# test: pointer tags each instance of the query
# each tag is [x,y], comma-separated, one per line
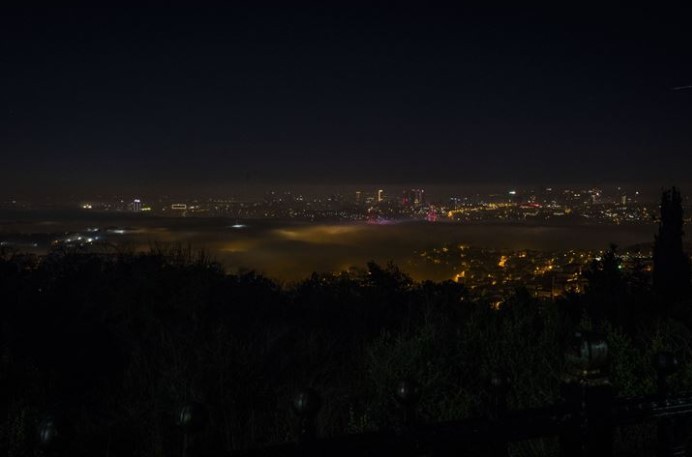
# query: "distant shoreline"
[293,249]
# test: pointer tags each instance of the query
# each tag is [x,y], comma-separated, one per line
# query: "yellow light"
[458,276]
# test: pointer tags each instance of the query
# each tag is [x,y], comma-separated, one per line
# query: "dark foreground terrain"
[113,345]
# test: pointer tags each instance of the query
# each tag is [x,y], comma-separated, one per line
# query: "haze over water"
[292,250]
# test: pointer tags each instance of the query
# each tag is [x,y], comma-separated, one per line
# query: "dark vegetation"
[114,345]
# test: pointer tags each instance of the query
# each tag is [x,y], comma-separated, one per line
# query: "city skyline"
[389,229]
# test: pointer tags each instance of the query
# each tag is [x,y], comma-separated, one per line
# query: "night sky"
[162,98]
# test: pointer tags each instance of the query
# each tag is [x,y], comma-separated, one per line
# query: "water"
[292,250]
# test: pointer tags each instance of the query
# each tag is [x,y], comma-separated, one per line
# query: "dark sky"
[162,98]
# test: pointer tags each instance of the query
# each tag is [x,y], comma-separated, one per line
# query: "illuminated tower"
[380,195]
[137,205]
[419,196]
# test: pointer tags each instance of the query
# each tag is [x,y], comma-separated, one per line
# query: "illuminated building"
[419,196]
[137,205]
[415,197]
[380,195]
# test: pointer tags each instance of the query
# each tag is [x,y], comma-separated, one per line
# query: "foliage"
[671,265]
[115,343]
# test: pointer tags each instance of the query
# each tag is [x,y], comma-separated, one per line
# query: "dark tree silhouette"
[114,345]
[671,264]
[606,291]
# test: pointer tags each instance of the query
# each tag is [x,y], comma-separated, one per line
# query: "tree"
[606,294]
[671,264]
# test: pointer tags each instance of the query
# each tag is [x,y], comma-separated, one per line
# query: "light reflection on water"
[290,251]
